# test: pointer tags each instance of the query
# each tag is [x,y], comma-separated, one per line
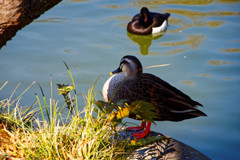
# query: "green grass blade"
[45,103]
[40,106]
[74,86]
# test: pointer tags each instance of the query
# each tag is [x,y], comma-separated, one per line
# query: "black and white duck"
[131,84]
[147,22]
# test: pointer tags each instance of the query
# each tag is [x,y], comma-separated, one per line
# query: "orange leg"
[143,125]
[144,133]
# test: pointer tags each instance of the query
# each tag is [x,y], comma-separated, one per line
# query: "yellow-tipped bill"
[118,70]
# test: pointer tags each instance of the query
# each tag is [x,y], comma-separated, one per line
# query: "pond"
[202,44]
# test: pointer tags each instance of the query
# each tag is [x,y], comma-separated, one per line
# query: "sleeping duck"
[128,82]
[147,22]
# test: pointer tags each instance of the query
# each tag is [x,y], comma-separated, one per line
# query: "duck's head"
[144,17]
[130,66]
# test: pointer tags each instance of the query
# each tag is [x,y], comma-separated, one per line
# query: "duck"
[147,22]
[129,83]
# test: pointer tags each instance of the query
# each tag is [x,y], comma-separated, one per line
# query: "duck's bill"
[116,71]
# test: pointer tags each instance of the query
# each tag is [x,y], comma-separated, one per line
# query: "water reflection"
[70,50]
[114,6]
[208,75]
[195,23]
[121,20]
[193,14]
[77,0]
[193,40]
[174,51]
[228,78]
[197,19]
[188,82]
[143,41]
[219,62]
[227,1]
[157,3]
[230,50]
[169,53]
[51,20]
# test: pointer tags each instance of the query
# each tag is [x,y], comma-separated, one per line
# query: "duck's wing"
[136,28]
[165,15]
[159,18]
[170,103]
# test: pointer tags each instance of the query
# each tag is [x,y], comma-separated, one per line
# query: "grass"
[46,132]
[85,134]
[82,134]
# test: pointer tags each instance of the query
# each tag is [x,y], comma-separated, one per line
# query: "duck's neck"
[145,20]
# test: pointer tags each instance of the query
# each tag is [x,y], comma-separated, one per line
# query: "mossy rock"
[159,146]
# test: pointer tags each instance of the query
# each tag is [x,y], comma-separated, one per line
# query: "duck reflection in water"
[144,41]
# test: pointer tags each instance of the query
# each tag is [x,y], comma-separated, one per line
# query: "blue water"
[202,44]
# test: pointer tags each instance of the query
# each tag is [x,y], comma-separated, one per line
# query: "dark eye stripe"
[123,62]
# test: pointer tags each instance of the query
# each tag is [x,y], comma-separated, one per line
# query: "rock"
[159,146]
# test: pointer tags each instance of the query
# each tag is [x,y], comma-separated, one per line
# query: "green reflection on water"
[143,41]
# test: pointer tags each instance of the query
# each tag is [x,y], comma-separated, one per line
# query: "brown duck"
[147,22]
[170,103]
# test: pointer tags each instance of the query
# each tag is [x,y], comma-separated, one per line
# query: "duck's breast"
[160,28]
[111,85]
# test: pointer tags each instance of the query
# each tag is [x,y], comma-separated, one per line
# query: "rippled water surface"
[202,43]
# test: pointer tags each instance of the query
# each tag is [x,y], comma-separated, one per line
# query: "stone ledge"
[163,148]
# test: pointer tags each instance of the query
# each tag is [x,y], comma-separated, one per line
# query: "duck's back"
[159,18]
[169,102]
